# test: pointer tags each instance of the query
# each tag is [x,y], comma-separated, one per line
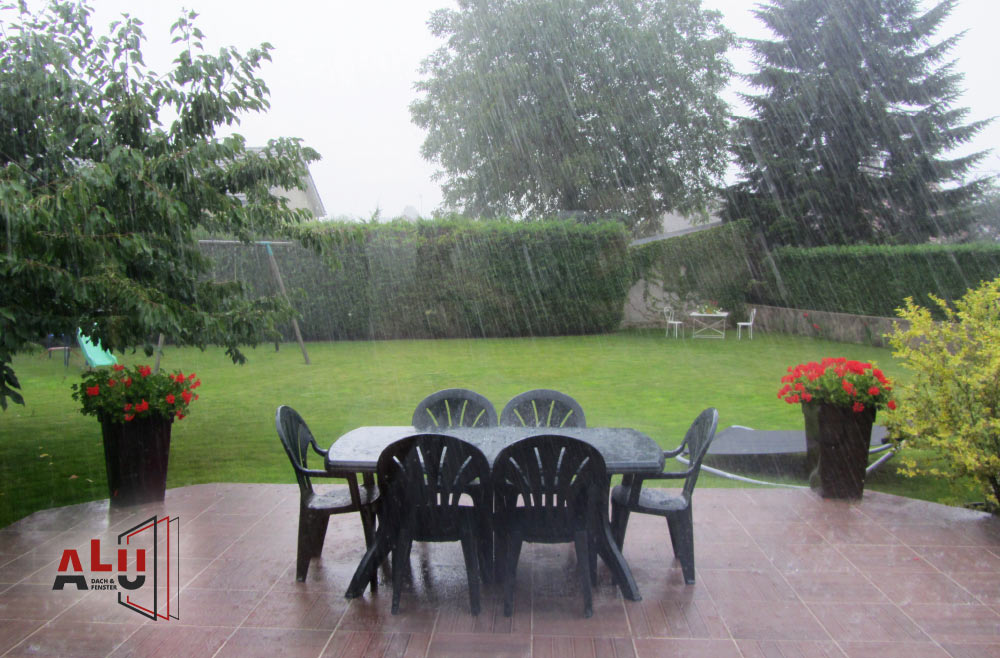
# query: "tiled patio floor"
[781,573]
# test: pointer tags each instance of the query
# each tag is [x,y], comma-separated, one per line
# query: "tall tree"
[98,200]
[847,141]
[535,107]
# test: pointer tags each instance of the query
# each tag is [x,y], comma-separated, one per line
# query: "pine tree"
[846,142]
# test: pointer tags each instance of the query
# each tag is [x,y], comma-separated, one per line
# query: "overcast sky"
[343,73]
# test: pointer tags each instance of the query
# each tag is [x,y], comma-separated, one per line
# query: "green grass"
[51,455]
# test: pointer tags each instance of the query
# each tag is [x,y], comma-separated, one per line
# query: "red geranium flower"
[142,406]
[145,371]
[187,396]
[874,390]
[858,407]
[170,398]
[118,367]
[93,391]
[891,405]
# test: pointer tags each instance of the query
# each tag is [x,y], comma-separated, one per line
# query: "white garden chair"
[748,324]
[668,314]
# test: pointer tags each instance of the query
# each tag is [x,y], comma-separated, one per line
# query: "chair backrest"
[454,407]
[543,408]
[753,314]
[297,440]
[698,438]
[425,479]
[549,485]
[668,313]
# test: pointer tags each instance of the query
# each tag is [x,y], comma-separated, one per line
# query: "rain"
[391,199]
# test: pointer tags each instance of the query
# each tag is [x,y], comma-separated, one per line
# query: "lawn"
[51,455]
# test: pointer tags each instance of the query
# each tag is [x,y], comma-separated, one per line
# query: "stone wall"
[643,309]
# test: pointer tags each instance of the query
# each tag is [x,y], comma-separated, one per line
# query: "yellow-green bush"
[951,404]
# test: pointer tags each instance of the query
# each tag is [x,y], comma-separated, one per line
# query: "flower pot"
[837,442]
[135,454]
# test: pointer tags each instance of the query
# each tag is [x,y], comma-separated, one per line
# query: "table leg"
[373,557]
[613,557]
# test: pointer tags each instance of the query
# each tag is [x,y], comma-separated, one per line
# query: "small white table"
[709,325]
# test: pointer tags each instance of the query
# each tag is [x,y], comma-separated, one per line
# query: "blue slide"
[95,356]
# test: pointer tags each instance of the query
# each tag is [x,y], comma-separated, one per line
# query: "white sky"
[343,73]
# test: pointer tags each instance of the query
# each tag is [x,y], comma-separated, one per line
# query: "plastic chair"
[454,407]
[748,324]
[668,315]
[543,408]
[428,481]
[631,496]
[548,489]
[315,508]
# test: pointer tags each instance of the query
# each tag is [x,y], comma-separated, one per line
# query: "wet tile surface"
[781,573]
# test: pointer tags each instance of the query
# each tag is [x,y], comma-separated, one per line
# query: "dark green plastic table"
[625,451]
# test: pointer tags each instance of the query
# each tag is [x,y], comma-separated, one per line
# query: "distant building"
[307,198]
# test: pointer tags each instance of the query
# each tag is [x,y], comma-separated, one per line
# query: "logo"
[145,572]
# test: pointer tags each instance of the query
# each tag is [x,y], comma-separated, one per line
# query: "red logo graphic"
[139,580]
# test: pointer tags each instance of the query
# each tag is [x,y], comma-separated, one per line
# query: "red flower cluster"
[838,381]
[113,394]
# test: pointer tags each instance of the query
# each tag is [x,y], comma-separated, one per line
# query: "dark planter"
[135,454]
[837,441]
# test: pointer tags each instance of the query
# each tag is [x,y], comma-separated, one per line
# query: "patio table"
[709,325]
[625,451]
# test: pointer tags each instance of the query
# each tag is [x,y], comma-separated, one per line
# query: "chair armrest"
[319,451]
[313,473]
[670,454]
[669,475]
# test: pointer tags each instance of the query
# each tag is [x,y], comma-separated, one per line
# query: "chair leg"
[312,532]
[470,548]
[368,523]
[400,559]
[619,523]
[593,560]
[674,533]
[682,535]
[512,554]
[582,541]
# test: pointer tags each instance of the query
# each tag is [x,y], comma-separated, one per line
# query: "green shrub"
[874,280]
[448,278]
[951,404]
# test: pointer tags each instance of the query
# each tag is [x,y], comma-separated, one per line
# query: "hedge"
[873,280]
[713,265]
[452,278]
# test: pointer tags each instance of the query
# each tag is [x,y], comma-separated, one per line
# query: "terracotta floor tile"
[960,558]
[217,607]
[564,616]
[957,623]
[698,619]
[13,631]
[545,646]
[921,588]
[461,645]
[857,532]
[810,558]
[867,622]
[254,574]
[60,639]
[972,650]
[784,532]
[888,558]
[835,587]
[983,585]
[357,644]
[172,640]
[777,620]
[786,649]
[681,648]
[316,610]
[739,585]
[271,642]
[373,611]
[729,556]
[893,650]
[27,601]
